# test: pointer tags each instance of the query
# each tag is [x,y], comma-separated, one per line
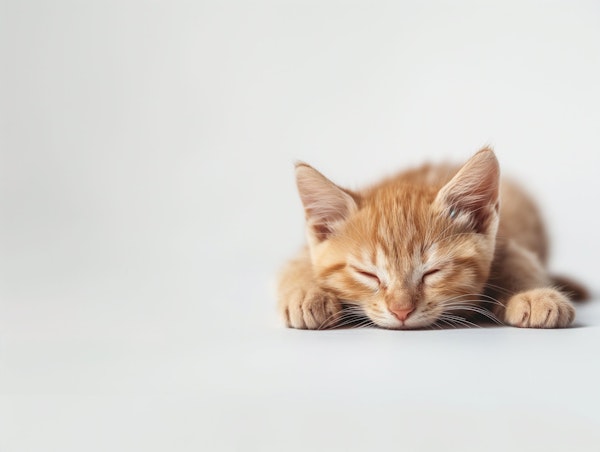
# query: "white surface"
[147,199]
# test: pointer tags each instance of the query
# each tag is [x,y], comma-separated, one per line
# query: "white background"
[147,200]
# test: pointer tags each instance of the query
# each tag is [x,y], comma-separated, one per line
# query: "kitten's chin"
[409,324]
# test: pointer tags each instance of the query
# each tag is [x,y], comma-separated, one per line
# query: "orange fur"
[429,246]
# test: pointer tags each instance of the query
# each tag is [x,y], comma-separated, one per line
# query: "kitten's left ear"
[326,205]
[473,191]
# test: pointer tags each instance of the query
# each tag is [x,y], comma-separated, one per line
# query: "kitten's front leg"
[528,299]
[302,303]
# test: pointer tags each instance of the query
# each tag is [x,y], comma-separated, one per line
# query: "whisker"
[448,323]
[328,321]
[351,311]
[481,311]
[460,320]
[350,321]
[365,324]
[481,297]
[500,289]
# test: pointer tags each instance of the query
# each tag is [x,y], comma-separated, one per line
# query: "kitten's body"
[429,246]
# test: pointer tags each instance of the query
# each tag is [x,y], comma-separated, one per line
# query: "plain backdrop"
[147,200]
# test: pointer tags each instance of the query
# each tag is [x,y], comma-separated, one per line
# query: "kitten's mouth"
[411,323]
[354,316]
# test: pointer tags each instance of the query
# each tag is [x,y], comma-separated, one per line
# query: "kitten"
[435,245]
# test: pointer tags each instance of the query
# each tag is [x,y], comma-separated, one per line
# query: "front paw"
[539,308]
[310,309]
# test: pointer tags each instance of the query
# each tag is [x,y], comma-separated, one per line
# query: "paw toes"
[320,309]
[294,309]
[310,309]
[539,308]
[518,311]
[544,315]
[566,315]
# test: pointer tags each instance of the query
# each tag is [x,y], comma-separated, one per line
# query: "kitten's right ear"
[473,192]
[326,205]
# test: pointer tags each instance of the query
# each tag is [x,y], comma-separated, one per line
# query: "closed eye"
[431,272]
[371,276]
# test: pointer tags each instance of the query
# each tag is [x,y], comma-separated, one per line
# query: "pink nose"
[401,314]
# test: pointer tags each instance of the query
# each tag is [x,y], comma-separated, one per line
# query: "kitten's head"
[411,248]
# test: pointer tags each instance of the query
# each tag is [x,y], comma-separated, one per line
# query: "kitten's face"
[405,254]
[404,264]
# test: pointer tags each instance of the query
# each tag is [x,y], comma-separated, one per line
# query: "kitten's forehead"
[374,254]
[394,229]
[402,264]
[407,225]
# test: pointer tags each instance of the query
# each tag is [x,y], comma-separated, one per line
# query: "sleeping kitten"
[432,246]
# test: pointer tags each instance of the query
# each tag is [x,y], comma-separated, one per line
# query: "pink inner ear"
[322,231]
[474,189]
[325,204]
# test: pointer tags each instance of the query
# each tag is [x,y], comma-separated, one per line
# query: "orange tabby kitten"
[432,246]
